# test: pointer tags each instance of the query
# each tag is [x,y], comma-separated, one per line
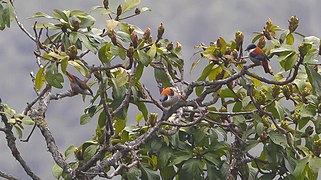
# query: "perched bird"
[78,86]
[169,96]
[258,57]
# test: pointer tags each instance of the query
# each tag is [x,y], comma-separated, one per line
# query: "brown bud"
[286,92]
[169,46]
[309,130]
[75,23]
[111,34]
[134,39]
[275,91]
[267,30]
[72,52]
[315,67]
[130,52]
[304,48]
[228,51]
[106,4]
[178,46]
[160,31]
[239,37]
[235,54]
[293,23]
[152,119]
[261,43]
[119,10]
[146,36]
[64,28]
[137,11]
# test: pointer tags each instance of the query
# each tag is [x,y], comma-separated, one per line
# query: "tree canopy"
[230,123]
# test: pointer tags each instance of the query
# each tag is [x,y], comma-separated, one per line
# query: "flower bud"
[228,51]
[130,52]
[106,4]
[293,23]
[119,10]
[134,39]
[239,37]
[160,31]
[170,46]
[303,49]
[152,119]
[286,92]
[275,91]
[146,36]
[75,22]
[111,34]
[178,46]
[72,52]
[137,11]
[262,42]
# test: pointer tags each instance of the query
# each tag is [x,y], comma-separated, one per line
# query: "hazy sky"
[187,21]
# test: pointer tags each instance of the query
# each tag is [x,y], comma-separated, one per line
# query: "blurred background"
[189,22]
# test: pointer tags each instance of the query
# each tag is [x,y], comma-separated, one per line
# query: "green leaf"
[133,173]
[142,108]
[289,61]
[60,15]
[139,73]
[168,172]
[300,166]
[28,122]
[70,150]
[278,138]
[289,39]
[194,64]
[40,79]
[130,4]
[191,169]
[85,118]
[86,21]
[54,78]
[119,125]
[311,40]
[152,51]
[40,15]
[308,111]
[280,110]
[148,174]
[179,157]
[164,157]
[257,37]
[104,54]
[212,157]
[314,78]
[117,51]
[18,131]
[56,171]
[315,164]
[143,57]
[238,119]
[88,44]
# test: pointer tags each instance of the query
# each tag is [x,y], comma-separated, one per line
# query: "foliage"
[214,135]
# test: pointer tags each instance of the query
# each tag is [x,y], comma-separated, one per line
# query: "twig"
[7,176]
[13,147]
[24,29]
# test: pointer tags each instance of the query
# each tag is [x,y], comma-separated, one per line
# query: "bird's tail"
[267,67]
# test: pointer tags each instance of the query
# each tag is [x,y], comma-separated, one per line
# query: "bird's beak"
[163,98]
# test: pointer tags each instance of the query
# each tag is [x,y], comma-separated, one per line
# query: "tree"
[213,129]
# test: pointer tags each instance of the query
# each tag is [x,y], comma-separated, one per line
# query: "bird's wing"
[81,84]
[258,57]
